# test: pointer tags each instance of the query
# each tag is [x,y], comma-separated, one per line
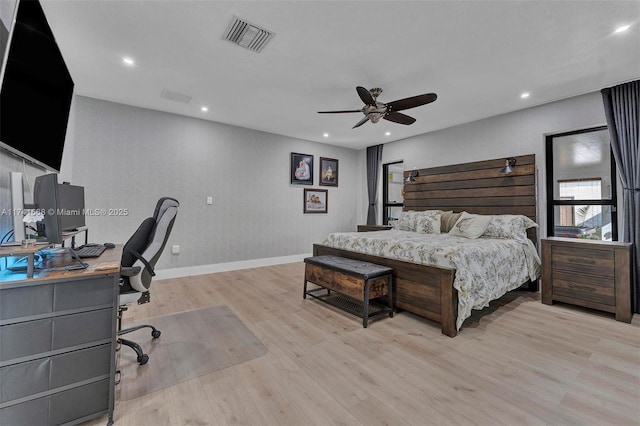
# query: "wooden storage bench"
[359,281]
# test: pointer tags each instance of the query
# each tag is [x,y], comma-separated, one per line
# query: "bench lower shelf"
[350,305]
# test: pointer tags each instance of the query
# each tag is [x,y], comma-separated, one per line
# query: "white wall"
[518,133]
[128,157]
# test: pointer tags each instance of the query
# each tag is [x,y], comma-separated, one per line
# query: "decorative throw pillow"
[447,220]
[508,226]
[408,220]
[428,224]
[405,222]
[470,225]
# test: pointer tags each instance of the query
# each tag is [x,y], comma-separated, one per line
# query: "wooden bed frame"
[476,187]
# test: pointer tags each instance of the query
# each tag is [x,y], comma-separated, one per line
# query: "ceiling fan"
[374,110]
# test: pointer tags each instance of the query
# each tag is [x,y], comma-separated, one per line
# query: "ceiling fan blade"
[398,117]
[365,96]
[361,122]
[339,112]
[411,102]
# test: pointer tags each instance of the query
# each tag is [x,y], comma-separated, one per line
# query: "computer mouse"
[109,245]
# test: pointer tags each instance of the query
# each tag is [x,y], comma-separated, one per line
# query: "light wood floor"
[518,362]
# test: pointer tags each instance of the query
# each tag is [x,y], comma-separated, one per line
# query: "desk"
[57,343]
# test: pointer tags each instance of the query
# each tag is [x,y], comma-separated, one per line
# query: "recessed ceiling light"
[128,61]
[622,28]
[326,135]
[204,109]
[525,95]
[387,134]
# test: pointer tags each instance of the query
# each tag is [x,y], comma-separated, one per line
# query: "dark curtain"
[622,109]
[374,157]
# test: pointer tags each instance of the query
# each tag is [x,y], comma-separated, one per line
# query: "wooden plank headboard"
[476,187]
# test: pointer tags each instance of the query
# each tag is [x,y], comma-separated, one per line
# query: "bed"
[438,291]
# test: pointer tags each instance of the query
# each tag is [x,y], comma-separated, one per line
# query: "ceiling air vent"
[247,35]
[175,96]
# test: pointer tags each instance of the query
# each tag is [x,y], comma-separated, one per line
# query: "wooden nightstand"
[589,273]
[368,228]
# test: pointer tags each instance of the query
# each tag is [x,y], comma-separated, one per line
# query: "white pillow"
[428,224]
[470,225]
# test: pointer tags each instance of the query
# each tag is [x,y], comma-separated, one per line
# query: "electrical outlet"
[209,200]
[175,249]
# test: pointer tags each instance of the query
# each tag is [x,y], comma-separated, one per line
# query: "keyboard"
[90,251]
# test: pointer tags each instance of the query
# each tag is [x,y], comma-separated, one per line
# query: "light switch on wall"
[209,200]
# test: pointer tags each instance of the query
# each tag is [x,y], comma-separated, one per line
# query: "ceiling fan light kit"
[374,110]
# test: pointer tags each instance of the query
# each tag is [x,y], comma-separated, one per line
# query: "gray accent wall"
[128,157]
[518,133]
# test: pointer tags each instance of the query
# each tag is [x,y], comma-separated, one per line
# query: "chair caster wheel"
[142,360]
[155,334]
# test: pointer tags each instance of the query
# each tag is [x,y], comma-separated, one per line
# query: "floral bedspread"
[486,268]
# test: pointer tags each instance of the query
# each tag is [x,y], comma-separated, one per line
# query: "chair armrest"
[130,271]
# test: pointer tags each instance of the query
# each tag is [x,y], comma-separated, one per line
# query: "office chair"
[139,257]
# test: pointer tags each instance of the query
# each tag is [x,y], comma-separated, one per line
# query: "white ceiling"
[478,56]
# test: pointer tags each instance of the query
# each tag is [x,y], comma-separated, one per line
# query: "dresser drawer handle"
[579,287]
[582,261]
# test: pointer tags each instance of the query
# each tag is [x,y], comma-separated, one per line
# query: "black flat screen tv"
[37,90]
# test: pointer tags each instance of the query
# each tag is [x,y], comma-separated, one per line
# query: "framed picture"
[315,200]
[328,171]
[301,169]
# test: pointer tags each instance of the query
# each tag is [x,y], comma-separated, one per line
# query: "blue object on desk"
[21,264]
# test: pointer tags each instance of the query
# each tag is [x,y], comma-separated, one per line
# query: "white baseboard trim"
[189,271]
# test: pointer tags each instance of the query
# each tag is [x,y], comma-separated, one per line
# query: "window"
[581,185]
[392,191]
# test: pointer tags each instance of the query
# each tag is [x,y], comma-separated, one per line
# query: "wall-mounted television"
[37,90]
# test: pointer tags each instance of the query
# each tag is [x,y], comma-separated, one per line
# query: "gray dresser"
[57,345]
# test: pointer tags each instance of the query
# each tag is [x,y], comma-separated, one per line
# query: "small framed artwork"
[301,169]
[315,200]
[328,171]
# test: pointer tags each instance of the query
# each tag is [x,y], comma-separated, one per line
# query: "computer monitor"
[46,199]
[71,207]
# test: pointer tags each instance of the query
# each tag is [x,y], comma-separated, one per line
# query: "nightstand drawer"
[584,287]
[597,262]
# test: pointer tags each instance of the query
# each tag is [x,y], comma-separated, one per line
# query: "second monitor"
[62,205]
[71,207]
